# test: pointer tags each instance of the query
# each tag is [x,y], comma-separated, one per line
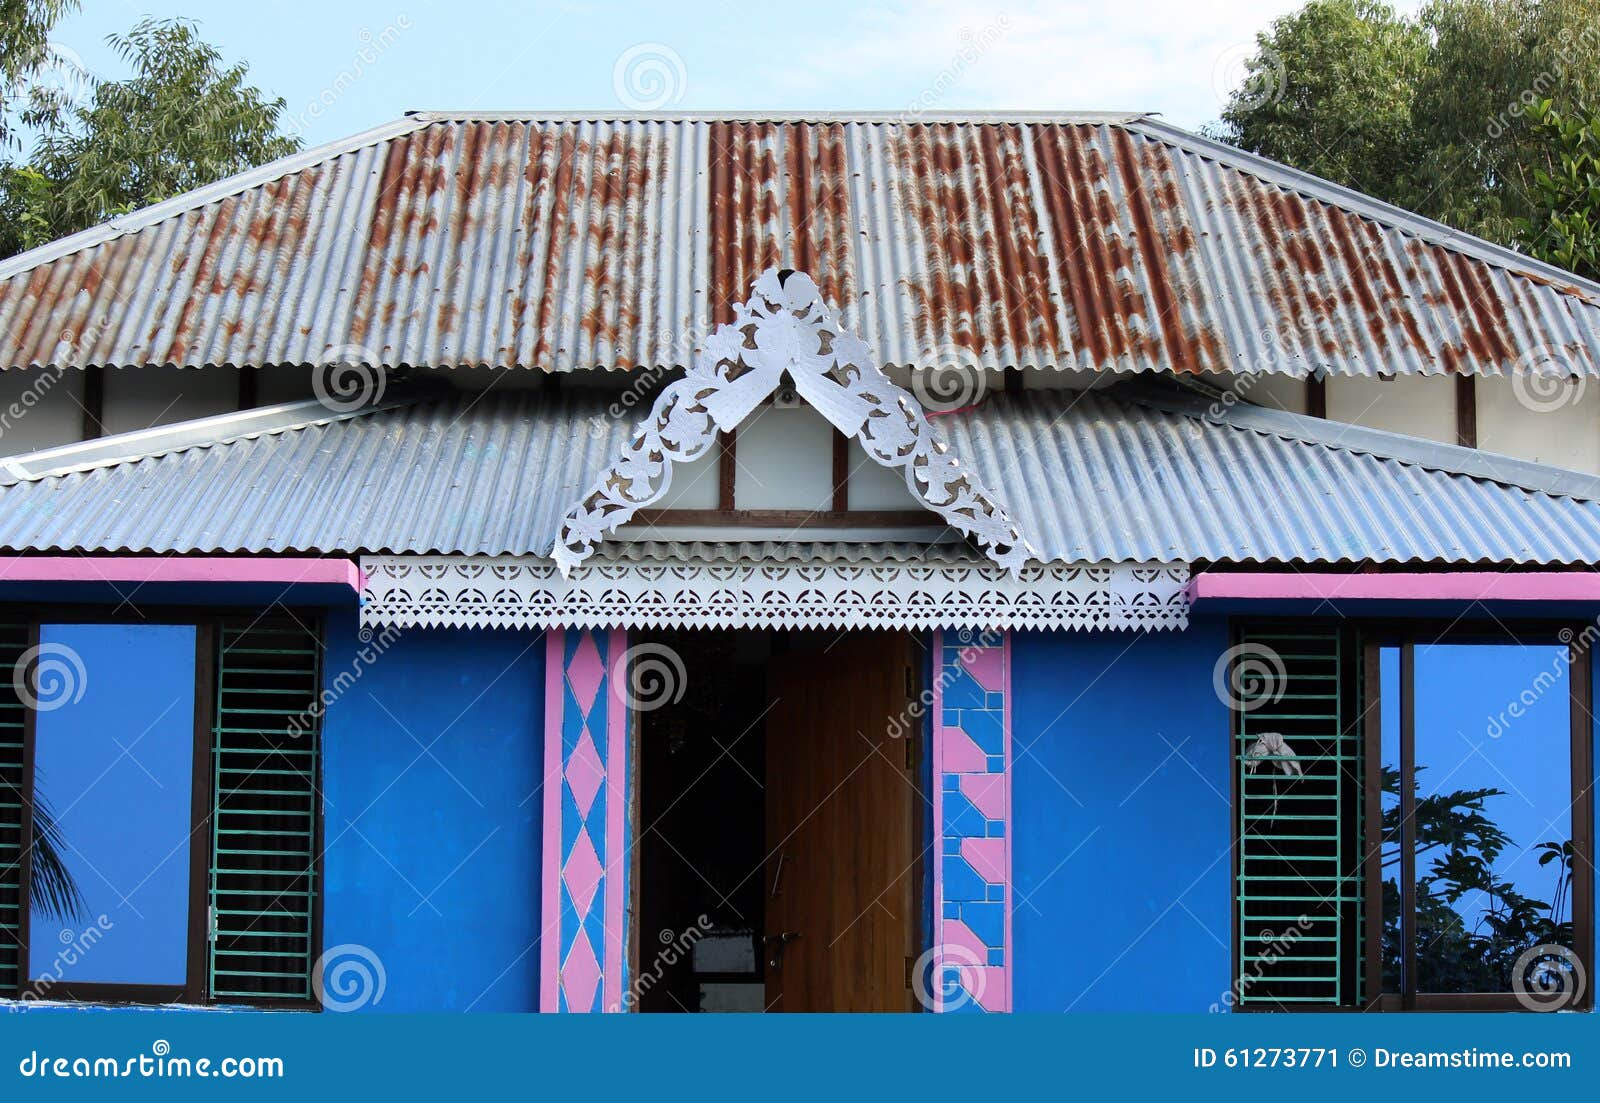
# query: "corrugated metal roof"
[1099,242]
[491,474]
[1094,474]
[1091,476]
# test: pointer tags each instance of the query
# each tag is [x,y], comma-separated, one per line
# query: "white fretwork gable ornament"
[786,329]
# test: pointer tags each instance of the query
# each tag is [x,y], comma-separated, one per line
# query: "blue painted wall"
[1120,797]
[432,764]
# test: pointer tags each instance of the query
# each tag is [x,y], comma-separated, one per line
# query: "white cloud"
[1165,55]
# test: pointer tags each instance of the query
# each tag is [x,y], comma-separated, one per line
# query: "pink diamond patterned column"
[586,843]
[972,951]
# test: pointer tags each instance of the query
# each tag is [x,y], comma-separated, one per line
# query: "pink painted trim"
[1399,586]
[211,568]
[616,860]
[550,879]
[1009,949]
[936,734]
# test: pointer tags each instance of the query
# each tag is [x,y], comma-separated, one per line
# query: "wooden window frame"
[194,990]
[1581,756]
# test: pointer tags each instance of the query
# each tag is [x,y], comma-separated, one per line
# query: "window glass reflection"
[1492,833]
[112,789]
[1394,925]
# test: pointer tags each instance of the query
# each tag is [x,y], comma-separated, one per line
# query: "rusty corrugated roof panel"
[1090,476]
[1109,243]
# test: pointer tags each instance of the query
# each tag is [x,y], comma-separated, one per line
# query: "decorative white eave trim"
[785,329]
[525,592]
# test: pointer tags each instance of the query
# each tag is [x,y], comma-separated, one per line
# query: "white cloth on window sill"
[1273,745]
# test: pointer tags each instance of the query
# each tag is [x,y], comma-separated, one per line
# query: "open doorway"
[781,824]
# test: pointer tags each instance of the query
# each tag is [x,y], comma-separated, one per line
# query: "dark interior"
[702,828]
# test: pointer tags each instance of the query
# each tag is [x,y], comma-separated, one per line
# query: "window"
[1483,878]
[1413,822]
[158,808]
[1297,818]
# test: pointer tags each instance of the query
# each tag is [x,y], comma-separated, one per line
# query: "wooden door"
[843,817]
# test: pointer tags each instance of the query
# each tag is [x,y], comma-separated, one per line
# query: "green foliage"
[1330,90]
[54,891]
[1430,112]
[1459,881]
[25,27]
[1491,60]
[24,209]
[1564,224]
[181,120]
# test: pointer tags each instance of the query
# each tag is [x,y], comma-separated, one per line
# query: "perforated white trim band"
[517,592]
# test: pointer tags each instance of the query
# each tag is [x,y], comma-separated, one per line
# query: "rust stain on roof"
[570,244]
[745,230]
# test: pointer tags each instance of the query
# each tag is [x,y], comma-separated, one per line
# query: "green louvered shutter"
[14,643]
[266,751]
[1298,818]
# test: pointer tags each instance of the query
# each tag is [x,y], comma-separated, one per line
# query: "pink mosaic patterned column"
[972,893]
[586,848]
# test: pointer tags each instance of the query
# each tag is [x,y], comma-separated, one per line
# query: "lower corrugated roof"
[1091,477]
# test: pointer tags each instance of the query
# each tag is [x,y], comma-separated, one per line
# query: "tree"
[1471,924]
[1429,112]
[1490,61]
[183,119]
[1330,90]
[1564,224]
[25,27]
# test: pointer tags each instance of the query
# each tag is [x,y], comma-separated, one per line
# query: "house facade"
[536,563]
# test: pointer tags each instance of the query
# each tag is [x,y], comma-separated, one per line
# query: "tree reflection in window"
[1490,838]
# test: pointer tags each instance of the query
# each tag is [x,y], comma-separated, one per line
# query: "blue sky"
[1178,58]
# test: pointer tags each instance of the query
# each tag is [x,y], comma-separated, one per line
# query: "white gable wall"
[140,398]
[40,409]
[1418,405]
[1559,426]
[784,460]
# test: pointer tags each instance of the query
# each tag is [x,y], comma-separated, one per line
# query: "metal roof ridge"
[1450,459]
[199,197]
[1428,230]
[182,436]
[783,116]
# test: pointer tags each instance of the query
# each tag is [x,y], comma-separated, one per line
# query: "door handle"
[778,942]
